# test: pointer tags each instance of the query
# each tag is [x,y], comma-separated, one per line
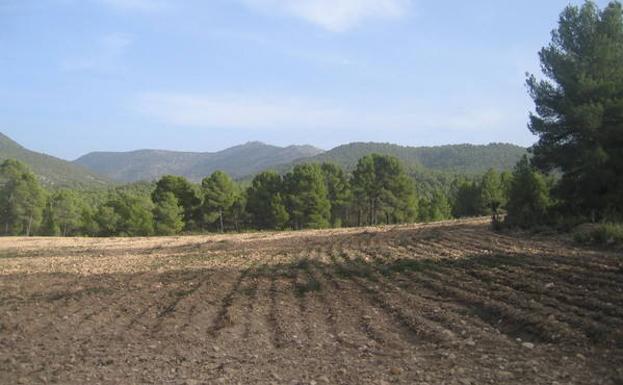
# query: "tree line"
[311,196]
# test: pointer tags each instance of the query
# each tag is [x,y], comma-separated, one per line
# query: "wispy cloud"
[255,113]
[104,56]
[335,15]
[137,5]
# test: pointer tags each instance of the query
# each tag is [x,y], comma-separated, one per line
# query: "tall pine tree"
[579,109]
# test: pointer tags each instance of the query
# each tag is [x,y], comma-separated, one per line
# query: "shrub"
[601,234]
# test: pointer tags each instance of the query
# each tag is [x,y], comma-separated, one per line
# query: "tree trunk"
[29,225]
[220,213]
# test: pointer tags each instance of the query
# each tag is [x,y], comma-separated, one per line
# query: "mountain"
[238,161]
[459,158]
[50,170]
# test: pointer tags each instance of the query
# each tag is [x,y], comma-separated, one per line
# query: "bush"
[601,234]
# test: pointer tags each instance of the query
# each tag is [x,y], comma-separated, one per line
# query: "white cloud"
[136,5]
[335,15]
[284,114]
[104,56]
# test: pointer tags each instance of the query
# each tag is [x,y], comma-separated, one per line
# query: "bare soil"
[446,303]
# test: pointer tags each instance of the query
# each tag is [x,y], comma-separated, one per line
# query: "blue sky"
[201,75]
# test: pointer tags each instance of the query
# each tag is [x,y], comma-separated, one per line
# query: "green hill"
[461,158]
[50,170]
[147,165]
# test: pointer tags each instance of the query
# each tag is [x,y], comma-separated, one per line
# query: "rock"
[324,379]
[395,371]
[470,342]
[528,345]
[549,285]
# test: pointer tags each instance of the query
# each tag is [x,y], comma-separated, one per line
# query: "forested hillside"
[461,158]
[245,161]
[147,165]
[51,171]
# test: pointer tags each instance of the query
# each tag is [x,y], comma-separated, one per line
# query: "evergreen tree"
[440,208]
[237,212]
[467,199]
[187,194]
[579,109]
[528,198]
[338,192]
[219,193]
[307,201]
[380,182]
[491,193]
[22,199]
[128,215]
[265,203]
[108,220]
[64,206]
[168,215]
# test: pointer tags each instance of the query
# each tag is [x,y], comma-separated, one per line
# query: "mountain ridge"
[243,161]
[150,164]
[50,170]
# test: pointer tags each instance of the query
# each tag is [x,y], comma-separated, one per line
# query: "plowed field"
[447,303]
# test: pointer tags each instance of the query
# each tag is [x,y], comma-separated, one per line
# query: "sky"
[202,75]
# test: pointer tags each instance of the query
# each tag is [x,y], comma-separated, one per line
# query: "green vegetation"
[21,199]
[51,171]
[147,165]
[245,161]
[579,111]
[579,117]
[601,234]
[458,159]
[377,192]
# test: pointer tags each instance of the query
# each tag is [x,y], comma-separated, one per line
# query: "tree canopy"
[579,109]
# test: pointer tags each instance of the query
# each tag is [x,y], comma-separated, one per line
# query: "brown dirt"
[446,303]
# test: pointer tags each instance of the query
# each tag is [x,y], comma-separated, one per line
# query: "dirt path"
[447,303]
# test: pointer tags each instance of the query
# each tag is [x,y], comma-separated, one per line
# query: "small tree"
[491,193]
[187,194]
[219,193]
[168,215]
[65,208]
[529,197]
[265,203]
[380,182]
[22,199]
[307,202]
[338,191]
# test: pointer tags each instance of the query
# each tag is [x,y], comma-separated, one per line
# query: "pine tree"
[187,194]
[338,191]
[491,193]
[168,215]
[579,109]
[265,203]
[389,195]
[22,199]
[528,197]
[307,201]
[219,193]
